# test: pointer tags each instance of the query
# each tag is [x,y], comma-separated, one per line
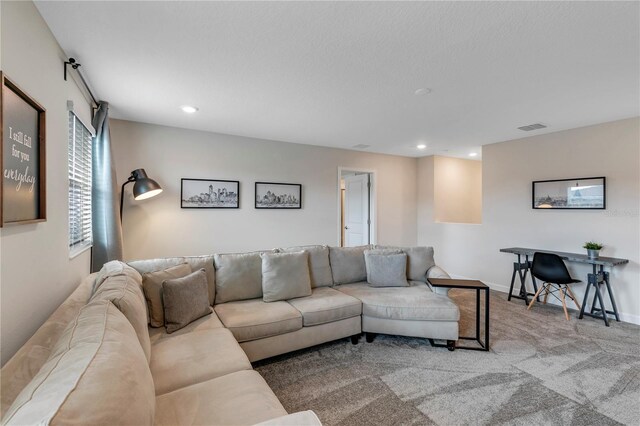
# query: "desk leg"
[523,286]
[586,298]
[603,309]
[513,281]
[613,301]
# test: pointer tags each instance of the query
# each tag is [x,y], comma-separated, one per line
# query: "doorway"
[357,207]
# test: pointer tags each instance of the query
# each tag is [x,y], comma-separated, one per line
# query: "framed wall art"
[271,195]
[23,189]
[209,194]
[575,193]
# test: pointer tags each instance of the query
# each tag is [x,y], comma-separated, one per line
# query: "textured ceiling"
[345,73]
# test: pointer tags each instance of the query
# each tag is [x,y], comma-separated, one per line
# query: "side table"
[471,285]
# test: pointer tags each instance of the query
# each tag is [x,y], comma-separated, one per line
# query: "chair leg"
[546,296]
[536,295]
[573,297]
[564,304]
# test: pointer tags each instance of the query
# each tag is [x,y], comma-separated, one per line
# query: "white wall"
[457,190]
[36,274]
[159,227]
[609,149]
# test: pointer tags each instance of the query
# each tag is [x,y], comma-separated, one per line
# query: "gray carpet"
[541,369]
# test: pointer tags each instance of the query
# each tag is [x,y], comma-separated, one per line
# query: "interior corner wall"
[36,274]
[158,227]
[609,149]
[457,190]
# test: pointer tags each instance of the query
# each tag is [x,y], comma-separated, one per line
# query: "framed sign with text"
[23,191]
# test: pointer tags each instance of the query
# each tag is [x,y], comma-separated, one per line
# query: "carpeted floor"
[541,369]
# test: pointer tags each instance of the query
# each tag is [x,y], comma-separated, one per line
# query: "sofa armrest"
[437,272]
[301,418]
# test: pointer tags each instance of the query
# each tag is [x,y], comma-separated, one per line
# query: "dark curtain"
[107,229]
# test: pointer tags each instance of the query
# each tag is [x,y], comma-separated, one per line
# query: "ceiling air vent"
[530,127]
[361,146]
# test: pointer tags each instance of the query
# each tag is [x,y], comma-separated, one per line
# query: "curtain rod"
[74,64]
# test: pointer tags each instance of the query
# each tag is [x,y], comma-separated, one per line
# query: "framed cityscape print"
[575,193]
[209,194]
[271,195]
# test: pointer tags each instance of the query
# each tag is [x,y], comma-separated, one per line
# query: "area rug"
[541,370]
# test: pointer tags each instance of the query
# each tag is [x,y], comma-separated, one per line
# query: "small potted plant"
[593,249]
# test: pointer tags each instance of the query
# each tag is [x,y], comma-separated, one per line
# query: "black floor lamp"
[144,187]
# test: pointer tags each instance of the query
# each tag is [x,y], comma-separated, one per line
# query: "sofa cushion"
[185,300]
[326,305]
[285,276]
[241,398]
[256,319]
[97,374]
[386,269]
[209,322]
[152,286]
[125,291]
[238,276]
[347,264]
[419,260]
[195,357]
[319,266]
[416,302]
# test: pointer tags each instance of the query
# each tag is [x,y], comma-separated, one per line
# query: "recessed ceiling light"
[421,146]
[188,109]
[422,92]
[473,154]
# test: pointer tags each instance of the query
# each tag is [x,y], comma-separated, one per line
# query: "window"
[80,138]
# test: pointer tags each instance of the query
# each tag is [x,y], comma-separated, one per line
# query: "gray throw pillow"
[419,261]
[185,300]
[152,286]
[285,276]
[347,264]
[386,270]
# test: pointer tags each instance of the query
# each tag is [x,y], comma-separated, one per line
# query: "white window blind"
[79,185]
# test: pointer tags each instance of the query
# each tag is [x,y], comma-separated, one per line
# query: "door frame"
[373,202]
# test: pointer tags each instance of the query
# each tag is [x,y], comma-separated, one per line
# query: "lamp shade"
[144,187]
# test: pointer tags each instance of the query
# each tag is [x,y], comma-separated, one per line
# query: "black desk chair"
[551,270]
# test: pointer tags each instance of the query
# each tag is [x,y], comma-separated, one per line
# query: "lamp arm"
[131,179]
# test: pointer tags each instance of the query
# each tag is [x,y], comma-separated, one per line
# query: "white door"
[356,210]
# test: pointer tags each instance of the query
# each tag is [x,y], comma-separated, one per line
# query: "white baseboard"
[630,318]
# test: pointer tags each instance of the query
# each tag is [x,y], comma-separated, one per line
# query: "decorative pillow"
[347,264]
[96,374]
[206,262]
[285,276]
[196,262]
[125,292]
[152,285]
[238,276]
[185,300]
[319,267]
[386,270]
[420,260]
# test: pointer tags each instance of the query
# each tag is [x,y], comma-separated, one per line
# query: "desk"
[595,279]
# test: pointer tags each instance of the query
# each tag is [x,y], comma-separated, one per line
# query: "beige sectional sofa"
[98,351]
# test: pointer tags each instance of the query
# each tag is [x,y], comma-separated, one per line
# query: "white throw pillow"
[285,276]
